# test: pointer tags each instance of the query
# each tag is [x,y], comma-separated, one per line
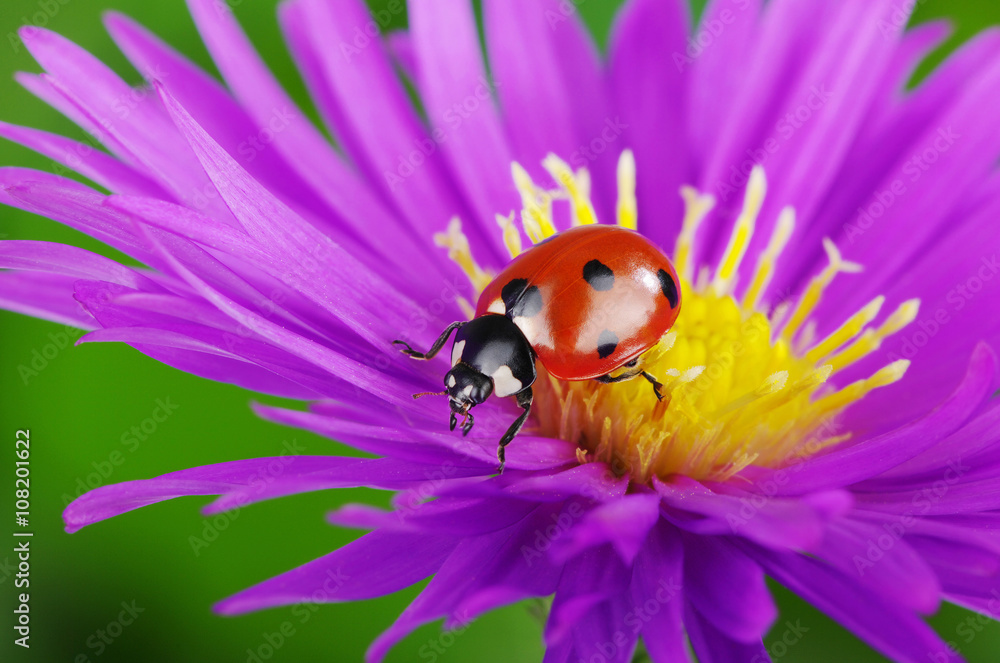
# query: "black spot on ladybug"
[669,287]
[528,305]
[598,275]
[510,292]
[521,301]
[606,343]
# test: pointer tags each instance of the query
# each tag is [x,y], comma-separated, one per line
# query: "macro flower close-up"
[639,335]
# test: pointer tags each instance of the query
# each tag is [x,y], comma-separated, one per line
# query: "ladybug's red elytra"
[586,303]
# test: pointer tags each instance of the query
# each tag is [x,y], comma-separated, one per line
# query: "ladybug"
[586,303]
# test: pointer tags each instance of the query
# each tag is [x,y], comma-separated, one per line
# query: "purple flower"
[835,431]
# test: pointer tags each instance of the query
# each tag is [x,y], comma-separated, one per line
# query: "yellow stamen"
[871,340]
[628,214]
[837,401]
[816,287]
[742,232]
[847,331]
[458,250]
[772,385]
[575,186]
[467,308]
[537,213]
[735,393]
[696,208]
[765,266]
[808,382]
[511,237]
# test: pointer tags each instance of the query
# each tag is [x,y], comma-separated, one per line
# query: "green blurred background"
[85,399]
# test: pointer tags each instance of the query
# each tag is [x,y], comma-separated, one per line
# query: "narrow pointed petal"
[894,631]
[366,568]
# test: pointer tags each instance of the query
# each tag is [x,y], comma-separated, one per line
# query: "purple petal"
[844,69]
[713,645]
[497,566]
[73,205]
[597,127]
[223,118]
[400,45]
[966,154]
[84,159]
[537,105]
[134,127]
[624,523]
[43,295]
[70,261]
[727,588]
[363,516]
[596,577]
[376,564]
[206,359]
[384,473]
[881,560]
[406,444]
[304,146]
[517,572]
[335,364]
[336,276]
[890,135]
[43,87]
[889,628]
[605,633]
[373,119]
[453,517]
[592,480]
[943,497]
[650,90]
[457,95]
[978,435]
[711,72]
[108,501]
[771,521]
[657,581]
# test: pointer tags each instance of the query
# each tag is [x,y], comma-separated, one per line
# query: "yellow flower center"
[743,382]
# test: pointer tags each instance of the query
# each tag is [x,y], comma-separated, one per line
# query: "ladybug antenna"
[430,393]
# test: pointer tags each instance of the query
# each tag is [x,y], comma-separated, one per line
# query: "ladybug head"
[466,388]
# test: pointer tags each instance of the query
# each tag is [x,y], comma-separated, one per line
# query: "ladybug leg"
[657,385]
[467,424]
[438,344]
[524,399]
[607,379]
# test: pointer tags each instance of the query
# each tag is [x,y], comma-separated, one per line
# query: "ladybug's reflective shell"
[589,299]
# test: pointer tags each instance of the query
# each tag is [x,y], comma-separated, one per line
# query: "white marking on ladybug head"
[456,353]
[504,382]
[452,381]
